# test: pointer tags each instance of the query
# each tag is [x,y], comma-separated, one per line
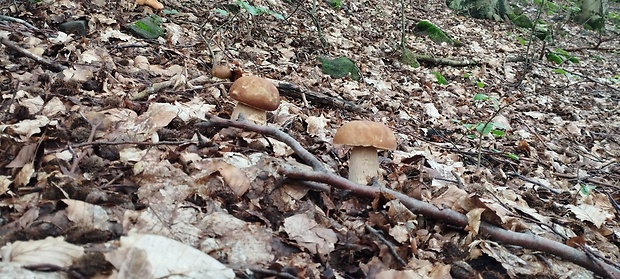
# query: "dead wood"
[41,60]
[293,91]
[452,217]
[449,216]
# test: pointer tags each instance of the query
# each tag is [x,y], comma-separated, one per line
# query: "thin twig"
[533,182]
[528,241]
[586,179]
[77,160]
[273,273]
[20,21]
[458,179]
[388,244]
[127,142]
[41,60]
[597,259]
[267,131]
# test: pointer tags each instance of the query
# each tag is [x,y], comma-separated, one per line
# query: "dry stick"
[586,179]
[526,179]
[613,202]
[127,142]
[388,244]
[272,273]
[294,91]
[596,258]
[452,217]
[268,131]
[20,21]
[41,60]
[77,160]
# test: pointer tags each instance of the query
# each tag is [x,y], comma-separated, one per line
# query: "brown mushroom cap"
[221,71]
[366,133]
[255,92]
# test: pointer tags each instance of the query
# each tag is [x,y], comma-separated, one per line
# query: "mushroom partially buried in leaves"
[365,137]
[254,96]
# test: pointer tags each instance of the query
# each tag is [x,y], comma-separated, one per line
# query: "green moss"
[429,29]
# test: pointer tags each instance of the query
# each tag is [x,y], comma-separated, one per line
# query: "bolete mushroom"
[156,5]
[365,137]
[254,96]
[221,71]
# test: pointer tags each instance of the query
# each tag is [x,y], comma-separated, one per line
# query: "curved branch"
[452,217]
[267,131]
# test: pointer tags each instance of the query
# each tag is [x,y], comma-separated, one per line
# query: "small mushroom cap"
[255,92]
[221,71]
[366,133]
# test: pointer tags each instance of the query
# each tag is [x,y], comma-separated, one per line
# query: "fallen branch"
[267,131]
[20,21]
[41,60]
[449,216]
[452,217]
[388,244]
[293,91]
[82,144]
[586,179]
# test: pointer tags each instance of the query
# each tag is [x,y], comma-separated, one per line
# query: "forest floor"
[96,181]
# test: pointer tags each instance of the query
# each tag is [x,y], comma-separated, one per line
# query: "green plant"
[586,189]
[550,7]
[249,8]
[614,18]
[512,156]
[560,56]
[481,129]
[431,30]
[440,79]
[485,98]
[336,4]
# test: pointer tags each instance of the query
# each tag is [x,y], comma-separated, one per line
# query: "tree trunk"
[490,9]
[593,13]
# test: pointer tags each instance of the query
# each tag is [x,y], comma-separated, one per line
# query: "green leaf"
[498,133]
[494,103]
[471,136]
[481,97]
[468,126]
[440,78]
[170,12]
[337,4]
[562,52]
[148,27]
[552,57]
[559,71]
[249,8]
[512,156]
[339,67]
[221,12]
[487,128]
[480,84]
[586,189]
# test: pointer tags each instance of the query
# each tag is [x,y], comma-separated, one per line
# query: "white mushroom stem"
[255,115]
[363,164]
